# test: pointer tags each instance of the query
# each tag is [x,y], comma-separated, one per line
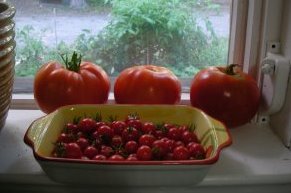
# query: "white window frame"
[253,24]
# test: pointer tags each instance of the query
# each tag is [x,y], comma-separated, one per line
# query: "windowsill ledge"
[26,101]
[256,161]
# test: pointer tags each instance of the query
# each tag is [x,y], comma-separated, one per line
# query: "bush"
[161,32]
[31,52]
[98,3]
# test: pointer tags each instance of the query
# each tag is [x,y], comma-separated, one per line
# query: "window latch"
[275,73]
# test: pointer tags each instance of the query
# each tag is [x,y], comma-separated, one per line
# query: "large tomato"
[227,94]
[77,83]
[147,84]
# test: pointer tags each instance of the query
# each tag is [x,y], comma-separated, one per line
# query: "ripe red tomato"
[228,95]
[144,153]
[146,139]
[65,138]
[131,147]
[174,133]
[147,84]
[116,141]
[82,142]
[77,83]
[116,157]
[90,152]
[148,127]
[196,150]
[72,150]
[188,136]
[72,128]
[118,126]
[130,133]
[132,157]
[87,125]
[100,157]
[106,150]
[160,149]
[105,131]
[181,153]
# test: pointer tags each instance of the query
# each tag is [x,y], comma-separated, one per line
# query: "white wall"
[282,120]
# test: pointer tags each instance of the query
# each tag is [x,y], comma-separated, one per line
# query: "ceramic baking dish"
[43,133]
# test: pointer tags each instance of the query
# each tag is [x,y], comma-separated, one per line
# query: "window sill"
[257,161]
[26,101]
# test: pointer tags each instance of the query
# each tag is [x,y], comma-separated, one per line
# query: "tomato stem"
[230,69]
[73,64]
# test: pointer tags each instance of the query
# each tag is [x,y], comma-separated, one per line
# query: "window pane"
[183,35]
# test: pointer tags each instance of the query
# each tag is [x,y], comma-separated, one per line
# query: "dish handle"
[223,135]
[35,132]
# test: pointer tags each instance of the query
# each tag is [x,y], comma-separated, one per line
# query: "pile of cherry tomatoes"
[129,139]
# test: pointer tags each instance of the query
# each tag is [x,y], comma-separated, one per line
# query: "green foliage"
[31,52]
[161,32]
[97,4]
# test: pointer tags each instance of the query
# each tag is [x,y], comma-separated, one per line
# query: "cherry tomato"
[105,150]
[72,150]
[146,139]
[160,149]
[148,127]
[90,152]
[129,139]
[130,133]
[100,123]
[105,131]
[82,142]
[132,157]
[72,128]
[226,94]
[144,153]
[99,157]
[196,150]
[77,83]
[131,147]
[116,157]
[65,138]
[170,144]
[87,125]
[174,133]
[116,141]
[136,123]
[188,137]
[181,153]
[147,84]
[159,134]
[179,143]
[118,126]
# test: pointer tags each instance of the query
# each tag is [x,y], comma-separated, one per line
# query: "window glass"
[183,35]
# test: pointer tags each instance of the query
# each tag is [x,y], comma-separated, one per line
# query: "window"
[183,35]
[252,24]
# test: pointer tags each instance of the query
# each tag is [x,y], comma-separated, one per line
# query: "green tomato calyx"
[230,69]
[74,63]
